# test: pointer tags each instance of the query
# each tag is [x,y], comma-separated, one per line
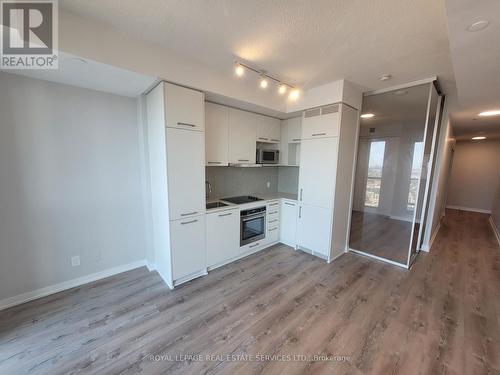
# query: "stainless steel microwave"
[268,156]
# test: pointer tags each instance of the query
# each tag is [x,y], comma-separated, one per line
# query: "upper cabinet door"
[321,122]
[268,129]
[242,137]
[318,171]
[216,134]
[186,173]
[294,131]
[184,108]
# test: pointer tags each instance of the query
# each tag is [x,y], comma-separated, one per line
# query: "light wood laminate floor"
[381,236]
[440,317]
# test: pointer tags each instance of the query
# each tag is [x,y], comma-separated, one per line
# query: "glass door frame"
[433,85]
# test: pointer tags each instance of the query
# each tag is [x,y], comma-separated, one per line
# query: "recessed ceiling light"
[478,26]
[79,59]
[400,92]
[367,115]
[478,138]
[494,112]
[385,77]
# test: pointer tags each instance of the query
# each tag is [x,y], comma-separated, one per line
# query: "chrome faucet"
[208,189]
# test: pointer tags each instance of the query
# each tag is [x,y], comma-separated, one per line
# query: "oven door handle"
[252,217]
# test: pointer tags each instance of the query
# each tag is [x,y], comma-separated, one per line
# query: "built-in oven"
[268,156]
[253,225]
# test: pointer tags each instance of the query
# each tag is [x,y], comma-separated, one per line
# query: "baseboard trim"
[427,247]
[496,230]
[46,291]
[470,209]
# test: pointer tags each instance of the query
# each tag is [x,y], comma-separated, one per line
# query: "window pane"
[412,196]
[376,161]
[416,168]
[372,198]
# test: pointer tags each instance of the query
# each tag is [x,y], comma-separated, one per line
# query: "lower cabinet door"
[187,242]
[314,228]
[288,222]
[273,234]
[223,236]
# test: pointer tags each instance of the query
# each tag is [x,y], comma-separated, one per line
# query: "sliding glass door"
[394,165]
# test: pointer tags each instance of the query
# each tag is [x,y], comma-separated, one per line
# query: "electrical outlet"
[268,184]
[75,261]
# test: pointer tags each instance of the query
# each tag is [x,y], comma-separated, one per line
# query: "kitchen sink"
[216,205]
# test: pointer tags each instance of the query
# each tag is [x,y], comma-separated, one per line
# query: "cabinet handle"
[296,139]
[270,230]
[300,212]
[189,213]
[272,213]
[273,204]
[275,140]
[264,139]
[228,214]
[301,190]
[214,162]
[257,244]
[186,124]
[272,221]
[290,204]
[189,222]
[243,160]
[318,134]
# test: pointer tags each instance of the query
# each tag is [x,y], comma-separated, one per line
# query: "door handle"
[228,214]
[189,213]
[189,222]
[257,244]
[186,124]
[296,139]
[214,162]
[243,160]
[318,134]
[300,212]
[275,140]
[273,221]
[270,230]
[264,139]
[301,190]
[289,204]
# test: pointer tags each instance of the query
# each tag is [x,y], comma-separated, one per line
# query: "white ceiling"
[476,63]
[92,75]
[306,42]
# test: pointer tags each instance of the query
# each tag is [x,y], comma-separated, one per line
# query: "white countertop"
[266,197]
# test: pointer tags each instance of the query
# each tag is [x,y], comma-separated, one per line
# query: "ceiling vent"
[330,109]
[312,112]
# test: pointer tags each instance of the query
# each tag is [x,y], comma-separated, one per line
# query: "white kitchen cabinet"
[288,222]
[294,129]
[242,137]
[321,122]
[268,129]
[325,180]
[314,228]
[223,236]
[318,169]
[216,134]
[186,176]
[272,234]
[184,108]
[187,241]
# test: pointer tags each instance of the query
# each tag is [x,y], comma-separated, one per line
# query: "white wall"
[474,175]
[70,183]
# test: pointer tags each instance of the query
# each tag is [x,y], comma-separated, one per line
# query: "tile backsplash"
[233,181]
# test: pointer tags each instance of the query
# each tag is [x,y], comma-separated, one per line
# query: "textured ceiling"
[307,42]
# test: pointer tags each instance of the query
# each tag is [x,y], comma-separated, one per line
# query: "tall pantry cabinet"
[176,145]
[328,151]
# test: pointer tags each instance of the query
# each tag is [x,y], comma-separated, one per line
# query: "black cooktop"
[242,199]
